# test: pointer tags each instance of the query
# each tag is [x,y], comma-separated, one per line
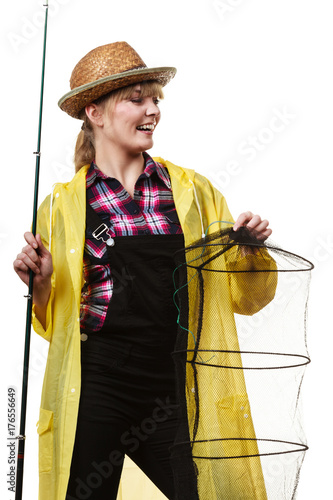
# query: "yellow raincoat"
[61,223]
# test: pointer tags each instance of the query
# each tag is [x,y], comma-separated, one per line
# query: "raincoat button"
[73,390]
[245,415]
[57,195]
[72,250]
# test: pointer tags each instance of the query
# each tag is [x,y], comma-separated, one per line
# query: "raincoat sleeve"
[253,282]
[252,278]
[43,228]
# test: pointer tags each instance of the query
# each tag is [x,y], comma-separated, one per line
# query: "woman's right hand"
[36,257]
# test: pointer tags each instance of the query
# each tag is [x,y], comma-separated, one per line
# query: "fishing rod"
[21,436]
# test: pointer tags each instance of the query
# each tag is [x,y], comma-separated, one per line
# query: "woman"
[109,386]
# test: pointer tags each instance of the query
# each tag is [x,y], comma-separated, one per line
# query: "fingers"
[253,223]
[242,219]
[262,229]
[29,257]
[35,258]
[42,251]
[31,239]
[257,224]
[22,269]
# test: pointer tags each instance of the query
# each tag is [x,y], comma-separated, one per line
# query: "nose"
[152,108]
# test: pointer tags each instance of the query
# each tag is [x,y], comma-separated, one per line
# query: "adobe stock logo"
[265,136]
[254,144]
[224,7]
[31,25]
[64,169]
[131,439]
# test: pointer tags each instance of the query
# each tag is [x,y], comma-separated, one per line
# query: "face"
[131,123]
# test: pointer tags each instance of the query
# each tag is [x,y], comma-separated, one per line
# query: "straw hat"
[107,68]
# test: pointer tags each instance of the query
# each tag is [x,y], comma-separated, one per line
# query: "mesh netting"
[240,359]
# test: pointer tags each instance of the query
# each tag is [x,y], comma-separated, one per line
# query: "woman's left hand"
[254,222]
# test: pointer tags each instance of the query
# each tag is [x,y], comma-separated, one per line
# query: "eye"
[139,100]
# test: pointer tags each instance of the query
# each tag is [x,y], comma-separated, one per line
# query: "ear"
[95,114]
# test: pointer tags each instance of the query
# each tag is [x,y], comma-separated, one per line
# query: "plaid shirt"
[151,211]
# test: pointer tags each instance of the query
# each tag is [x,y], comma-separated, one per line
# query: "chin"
[145,147]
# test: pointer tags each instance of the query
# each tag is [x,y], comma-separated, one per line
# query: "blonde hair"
[85,144]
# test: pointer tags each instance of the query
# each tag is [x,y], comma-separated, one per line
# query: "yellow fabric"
[61,387]
[224,408]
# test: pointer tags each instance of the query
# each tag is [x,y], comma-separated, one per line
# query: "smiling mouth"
[147,127]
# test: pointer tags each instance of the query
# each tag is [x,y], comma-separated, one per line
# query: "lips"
[148,127]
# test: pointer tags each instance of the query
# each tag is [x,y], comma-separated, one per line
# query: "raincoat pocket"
[45,432]
[236,426]
[241,470]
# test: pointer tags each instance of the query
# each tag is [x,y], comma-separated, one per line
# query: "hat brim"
[75,101]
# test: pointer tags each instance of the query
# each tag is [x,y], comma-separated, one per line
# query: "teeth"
[149,126]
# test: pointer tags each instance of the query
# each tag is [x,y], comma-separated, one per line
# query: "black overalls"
[128,403]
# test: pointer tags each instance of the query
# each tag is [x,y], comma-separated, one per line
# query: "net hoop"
[306,359]
[302,447]
[228,246]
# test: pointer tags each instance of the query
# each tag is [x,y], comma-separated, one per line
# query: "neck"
[122,165]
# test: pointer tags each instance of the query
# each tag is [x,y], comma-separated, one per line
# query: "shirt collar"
[151,167]
[154,166]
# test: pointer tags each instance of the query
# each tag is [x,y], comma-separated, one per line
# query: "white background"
[240,63]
